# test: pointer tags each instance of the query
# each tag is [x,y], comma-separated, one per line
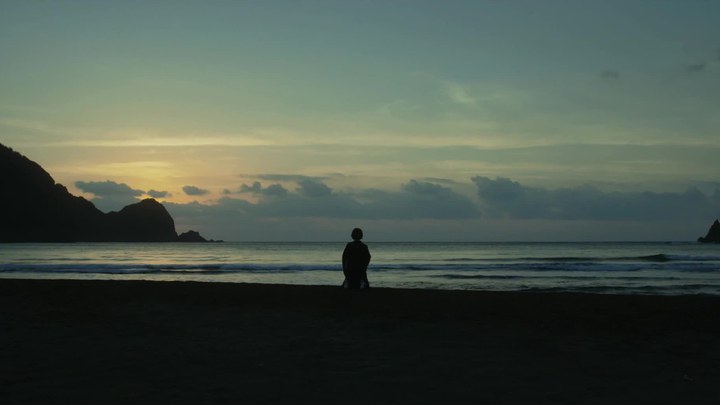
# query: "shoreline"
[146,341]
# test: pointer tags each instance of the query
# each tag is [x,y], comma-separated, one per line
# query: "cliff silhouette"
[713,234]
[34,208]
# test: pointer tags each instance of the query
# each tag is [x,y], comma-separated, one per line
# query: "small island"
[193,236]
[36,209]
[713,234]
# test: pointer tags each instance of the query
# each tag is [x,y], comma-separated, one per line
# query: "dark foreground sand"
[101,342]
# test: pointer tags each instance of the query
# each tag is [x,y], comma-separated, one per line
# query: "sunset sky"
[416,120]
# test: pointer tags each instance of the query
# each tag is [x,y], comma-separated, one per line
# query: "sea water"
[627,268]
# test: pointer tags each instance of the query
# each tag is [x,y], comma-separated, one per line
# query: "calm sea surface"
[632,268]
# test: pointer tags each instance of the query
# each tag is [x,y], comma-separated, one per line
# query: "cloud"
[504,198]
[424,188]
[315,199]
[430,200]
[255,188]
[193,190]
[695,67]
[499,189]
[610,74]
[439,180]
[459,95]
[158,194]
[313,189]
[109,195]
[273,190]
[108,188]
[288,177]
[502,209]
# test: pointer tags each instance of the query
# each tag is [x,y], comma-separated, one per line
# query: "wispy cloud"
[458,94]
[32,125]
[288,177]
[399,107]
[132,139]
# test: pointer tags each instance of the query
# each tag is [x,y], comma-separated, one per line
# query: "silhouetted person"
[355,260]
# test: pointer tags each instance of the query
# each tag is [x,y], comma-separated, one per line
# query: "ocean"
[610,268]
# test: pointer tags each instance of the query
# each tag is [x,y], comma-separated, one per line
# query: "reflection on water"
[638,268]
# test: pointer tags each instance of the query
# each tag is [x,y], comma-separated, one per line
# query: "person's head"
[356,234]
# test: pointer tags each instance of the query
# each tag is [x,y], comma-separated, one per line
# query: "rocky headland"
[33,208]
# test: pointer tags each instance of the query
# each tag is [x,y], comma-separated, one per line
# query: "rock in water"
[713,235]
[191,236]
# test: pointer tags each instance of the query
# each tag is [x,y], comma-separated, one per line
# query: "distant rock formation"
[33,208]
[191,236]
[713,235]
[146,221]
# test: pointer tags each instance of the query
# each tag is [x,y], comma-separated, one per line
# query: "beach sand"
[104,342]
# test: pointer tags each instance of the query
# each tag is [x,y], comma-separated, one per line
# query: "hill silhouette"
[36,209]
[713,234]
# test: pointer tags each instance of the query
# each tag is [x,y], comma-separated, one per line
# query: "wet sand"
[179,342]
